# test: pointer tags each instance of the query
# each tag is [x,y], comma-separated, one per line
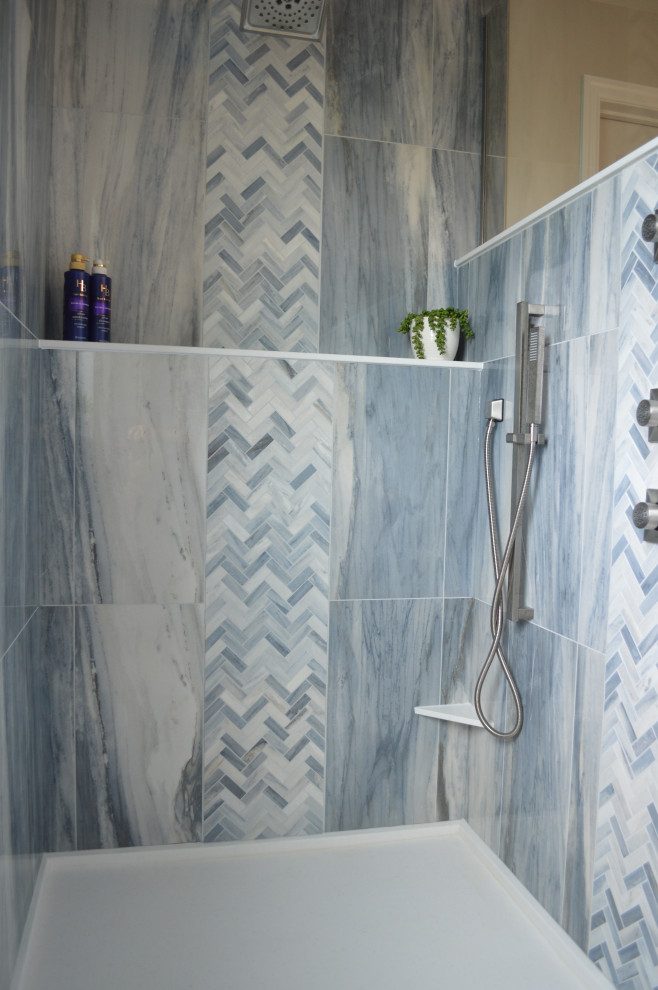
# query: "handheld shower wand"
[528,395]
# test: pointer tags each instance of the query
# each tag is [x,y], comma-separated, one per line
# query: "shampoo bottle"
[76,300]
[100,309]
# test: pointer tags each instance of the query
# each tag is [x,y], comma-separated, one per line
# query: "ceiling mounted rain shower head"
[291,18]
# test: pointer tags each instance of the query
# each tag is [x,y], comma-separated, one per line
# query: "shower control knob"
[647,415]
[650,228]
[645,516]
[650,232]
[647,412]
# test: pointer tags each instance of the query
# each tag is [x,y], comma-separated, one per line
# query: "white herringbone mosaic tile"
[263,188]
[269,499]
[624,935]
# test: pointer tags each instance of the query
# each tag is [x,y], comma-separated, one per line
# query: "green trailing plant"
[438,320]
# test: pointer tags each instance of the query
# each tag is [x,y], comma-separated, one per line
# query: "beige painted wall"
[552,44]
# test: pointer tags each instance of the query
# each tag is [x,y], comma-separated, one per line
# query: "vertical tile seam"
[204,576]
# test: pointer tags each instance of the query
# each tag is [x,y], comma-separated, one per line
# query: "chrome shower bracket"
[528,395]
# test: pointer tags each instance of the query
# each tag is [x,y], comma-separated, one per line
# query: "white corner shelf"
[464,713]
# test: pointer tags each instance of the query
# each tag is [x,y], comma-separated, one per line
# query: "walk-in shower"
[528,403]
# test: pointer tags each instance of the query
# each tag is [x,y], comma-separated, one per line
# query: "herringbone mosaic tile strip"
[263,188]
[624,936]
[269,500]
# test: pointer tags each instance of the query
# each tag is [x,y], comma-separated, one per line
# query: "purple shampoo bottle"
[76,299]
[100,310]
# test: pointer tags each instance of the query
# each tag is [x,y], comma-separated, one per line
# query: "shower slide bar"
[526,438]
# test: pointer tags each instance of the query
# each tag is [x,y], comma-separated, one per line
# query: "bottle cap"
[78,261]
[99,268]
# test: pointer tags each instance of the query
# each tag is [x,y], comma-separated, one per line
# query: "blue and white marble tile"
[605,258]
[624,928]
[25,101]
[457,76]
[379,71]
[19,855]
[70,52]
[110,164]
[19,405]
[139,724]
[384,658]
[140,476]
[454,222]
[471,762]
[147,58]
[598,482]
[57,472]
[8,922]
[583,802]
[568,274]
[374,244]
[52,731]
[67,227]
[267,611]
[493,292]
[263,188]
[554,520]
[464,479]
[389,481]
[538,763]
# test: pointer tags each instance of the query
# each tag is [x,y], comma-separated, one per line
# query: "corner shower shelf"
[464,713]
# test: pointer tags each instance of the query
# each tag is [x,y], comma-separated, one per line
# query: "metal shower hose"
[500,572]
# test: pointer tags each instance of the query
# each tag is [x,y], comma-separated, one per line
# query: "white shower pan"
[382,909]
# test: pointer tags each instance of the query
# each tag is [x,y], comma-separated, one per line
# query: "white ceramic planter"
[432,352]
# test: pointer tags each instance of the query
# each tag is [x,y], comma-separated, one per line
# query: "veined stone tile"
[139,719]
[140,478]
[390,427]
[468,756]
[374,244]
[379,71]
[269,484]
[382,758]
[537,785]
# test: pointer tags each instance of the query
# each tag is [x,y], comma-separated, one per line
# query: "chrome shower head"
[287,18]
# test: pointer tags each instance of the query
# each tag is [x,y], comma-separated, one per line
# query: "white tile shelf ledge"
[463,713]
[81,345]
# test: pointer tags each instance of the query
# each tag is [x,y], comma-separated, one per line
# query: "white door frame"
[615,100]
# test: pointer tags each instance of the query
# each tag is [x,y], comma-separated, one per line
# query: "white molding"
[613,99]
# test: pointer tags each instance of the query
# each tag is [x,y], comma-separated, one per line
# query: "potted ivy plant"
[434,333]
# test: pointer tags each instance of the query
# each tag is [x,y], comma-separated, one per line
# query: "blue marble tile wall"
[538,814]
[401,182]
[293,445]
[122,586]
[624,923]
[397,175]
[32,818]
[389,576]
[128,166]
